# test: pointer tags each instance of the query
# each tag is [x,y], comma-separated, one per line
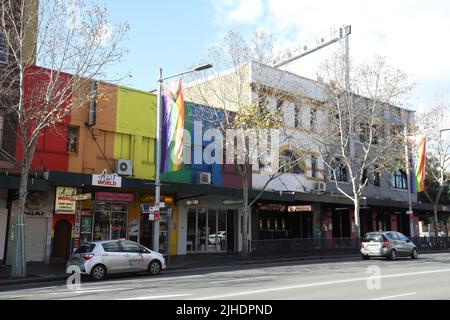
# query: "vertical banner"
[420,145]
[172,128]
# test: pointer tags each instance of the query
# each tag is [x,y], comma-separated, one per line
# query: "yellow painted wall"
[136,131]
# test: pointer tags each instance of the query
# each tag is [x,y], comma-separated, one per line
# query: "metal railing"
[330,247]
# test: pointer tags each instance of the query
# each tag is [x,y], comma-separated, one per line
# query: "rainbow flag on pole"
[420,144]
[172,139]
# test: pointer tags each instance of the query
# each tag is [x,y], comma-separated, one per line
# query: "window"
[392,236]
[340,170]
[290,163]
[3,47]
[86,248]
[313,167]
[313,119]
[111,247]
[280,104]
[363,132]
[376,177]
[297,117]
[399,180]
[72,139]
[130,247]
[365,176]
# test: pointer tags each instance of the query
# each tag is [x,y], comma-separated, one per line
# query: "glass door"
[222,231]
[110,221]
[212,231]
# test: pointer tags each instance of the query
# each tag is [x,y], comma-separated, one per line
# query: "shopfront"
[279,221]
[105,218]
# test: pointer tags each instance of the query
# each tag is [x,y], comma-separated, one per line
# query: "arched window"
[291,163]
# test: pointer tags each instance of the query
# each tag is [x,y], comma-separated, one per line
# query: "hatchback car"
[389,245]
[100,258]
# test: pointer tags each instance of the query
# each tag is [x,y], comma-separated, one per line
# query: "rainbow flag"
[172,139]
[420,144]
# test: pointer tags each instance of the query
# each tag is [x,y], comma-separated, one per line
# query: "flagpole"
[408,182]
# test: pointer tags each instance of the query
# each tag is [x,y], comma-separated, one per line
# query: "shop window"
[72,139]
[3,47]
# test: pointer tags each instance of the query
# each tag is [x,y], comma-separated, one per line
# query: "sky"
[176,34]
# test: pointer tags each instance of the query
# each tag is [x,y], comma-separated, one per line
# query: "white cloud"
[411,33]
[238,11]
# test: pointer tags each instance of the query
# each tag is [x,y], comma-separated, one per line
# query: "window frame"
[395,178]
[77,140]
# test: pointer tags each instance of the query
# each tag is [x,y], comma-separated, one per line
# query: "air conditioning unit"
[124,168]
[204,178]
[321,187]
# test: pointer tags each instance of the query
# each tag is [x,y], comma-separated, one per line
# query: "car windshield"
[86,248]
[374,237]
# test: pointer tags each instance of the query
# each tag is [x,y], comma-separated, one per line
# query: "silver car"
[389,245]
[100,258]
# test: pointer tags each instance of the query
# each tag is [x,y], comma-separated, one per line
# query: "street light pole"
[160,80]
[408,183]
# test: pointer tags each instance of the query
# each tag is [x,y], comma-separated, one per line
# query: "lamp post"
[160,81]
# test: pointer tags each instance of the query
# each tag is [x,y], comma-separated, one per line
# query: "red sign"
[111,196]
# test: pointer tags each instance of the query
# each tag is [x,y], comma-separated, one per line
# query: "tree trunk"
[245,214]
[357,230]
[19,267]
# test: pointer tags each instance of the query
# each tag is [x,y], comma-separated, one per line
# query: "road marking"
[158,297]
[152,280]
[317,284]
[243,280]
[397,296]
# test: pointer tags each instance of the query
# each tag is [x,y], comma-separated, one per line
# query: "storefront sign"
[111,196]
[34,213]
[300,209]
[273,207]
[64,203]
[107,180]
[82,197]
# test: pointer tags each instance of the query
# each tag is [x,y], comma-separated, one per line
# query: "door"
[62,239]
[113,257]
[36,239]
[133,258]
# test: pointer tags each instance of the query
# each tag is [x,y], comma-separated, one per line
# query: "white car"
[100,258]
[220,236]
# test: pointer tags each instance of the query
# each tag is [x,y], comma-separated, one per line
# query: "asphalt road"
[427,278]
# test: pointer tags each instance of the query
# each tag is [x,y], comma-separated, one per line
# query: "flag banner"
[172,127]
[420,145]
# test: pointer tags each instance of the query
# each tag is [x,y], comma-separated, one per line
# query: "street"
[425,279]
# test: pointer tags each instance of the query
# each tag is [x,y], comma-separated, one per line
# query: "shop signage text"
[300,209]
[81,197]
[107,180]
[34,213]
[63,201]
[111,196]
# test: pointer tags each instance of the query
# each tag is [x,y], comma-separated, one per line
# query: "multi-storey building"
[309,205]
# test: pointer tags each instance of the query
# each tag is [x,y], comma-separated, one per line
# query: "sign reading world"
[107,180]
[63,200]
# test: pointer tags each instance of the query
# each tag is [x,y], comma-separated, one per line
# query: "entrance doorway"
[62,239]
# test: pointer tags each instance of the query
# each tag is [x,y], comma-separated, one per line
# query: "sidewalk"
[41,273]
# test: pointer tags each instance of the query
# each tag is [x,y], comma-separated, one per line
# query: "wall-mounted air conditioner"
[124,168]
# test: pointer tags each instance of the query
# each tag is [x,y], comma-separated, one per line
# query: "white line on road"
[243,280]
[158,297]
[317,284]
[397,296]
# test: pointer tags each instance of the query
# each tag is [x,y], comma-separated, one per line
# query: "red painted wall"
[51,153]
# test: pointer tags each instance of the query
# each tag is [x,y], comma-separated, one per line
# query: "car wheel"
[365,257]
[98,272]
[392,256]
[415,254]
[154,268]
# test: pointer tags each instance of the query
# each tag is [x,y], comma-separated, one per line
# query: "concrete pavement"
[405,279]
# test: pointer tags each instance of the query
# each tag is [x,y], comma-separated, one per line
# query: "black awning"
[13,183]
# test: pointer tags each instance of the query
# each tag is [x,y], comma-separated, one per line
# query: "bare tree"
[435,124]
[75,44]
[250,108]
[363,131]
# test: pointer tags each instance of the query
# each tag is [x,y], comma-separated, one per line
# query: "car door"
[133,257]
[112,257]
[408,246]
[396,243]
